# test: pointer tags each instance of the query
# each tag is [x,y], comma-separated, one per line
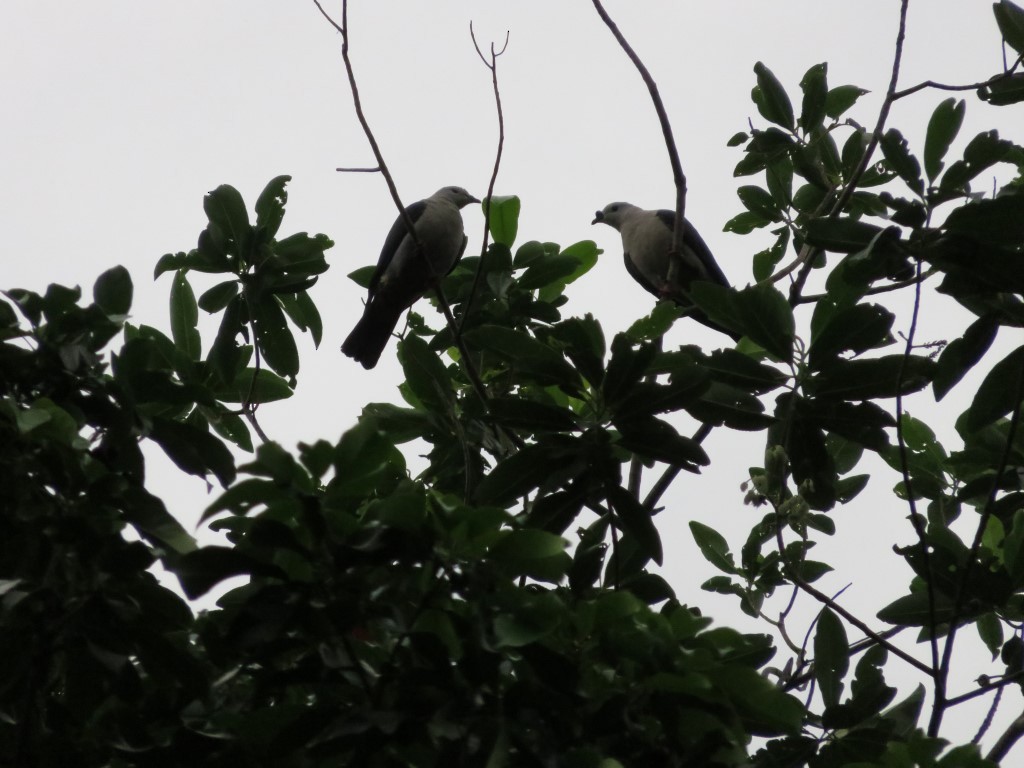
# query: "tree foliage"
[500,607]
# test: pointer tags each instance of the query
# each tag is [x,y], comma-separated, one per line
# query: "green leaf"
[303,313]
[880,377]
[184,316]
[943,127]
[651,438]
[897,153]
[713,546]
[855,329]
[841,98]
[203,569]
[771,99]
[637,522]
[815,87]
[1010,18]
[831,656]
[426,375]
[273,337]
[522,472]
[962,354]
[759,312]
[112,291]
[270,205]
[1003,92]
[252,386]
[532,416]
[226,210]
[981,153]
[533,553]
[218,297]
[503,218]
[552,269]
[999,221]
[526,354]
[990,630]
[363,275]
[194,450]
[999,393]
[842,235]
[912,610]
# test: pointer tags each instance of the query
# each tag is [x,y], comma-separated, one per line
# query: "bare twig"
[678,177]
[824,599]
[972,87]
[1005,742]
[972,556]
[493,66]
[465,358]
[359,170]
[880,289]
[915,519]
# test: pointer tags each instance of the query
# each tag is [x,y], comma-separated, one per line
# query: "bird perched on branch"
[408,267]
[647,250]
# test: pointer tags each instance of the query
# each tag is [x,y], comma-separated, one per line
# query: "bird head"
[458,196]
[614,214]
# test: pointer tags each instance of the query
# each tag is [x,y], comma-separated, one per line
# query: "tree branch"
[493,66]
[972,87]
[876,135]
[678,177]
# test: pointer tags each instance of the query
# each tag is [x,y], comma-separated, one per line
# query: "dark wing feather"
[693,242]
[394,239]
[639,276]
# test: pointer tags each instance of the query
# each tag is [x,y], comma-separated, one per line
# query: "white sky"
[119,116]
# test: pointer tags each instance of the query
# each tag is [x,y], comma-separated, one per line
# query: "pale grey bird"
[647,251]
[405,273]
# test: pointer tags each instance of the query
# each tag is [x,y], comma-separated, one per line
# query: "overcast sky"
[119,116]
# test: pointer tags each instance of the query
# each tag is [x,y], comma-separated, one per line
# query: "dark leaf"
[841,98]
[636,521]
[759,312]
[426,375]
[999,393]
[184,316]
[270,205]
[999,221]
[226,210]
[194,450]
[943,127]
[855,329]
[218,297]
[897,153]
[113,291]
[962,354]
[1010,18]
[871,379]
[652,438]
[503,218]
[815,87]
[831,656]
[273,337]
[203,569]
[771,99]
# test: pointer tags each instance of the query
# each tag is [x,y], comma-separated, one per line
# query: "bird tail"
[368,339]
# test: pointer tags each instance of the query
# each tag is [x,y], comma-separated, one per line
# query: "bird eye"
[613,208]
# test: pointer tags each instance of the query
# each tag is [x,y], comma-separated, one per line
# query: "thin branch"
[987,722]
[663,483]
[972,555]
[972,87]
[1005,742]
[493,66]
[824,599]
[984,688]
[678,177]
[915,518]
[359,170]
[875,291]
[869,150]
[466,360]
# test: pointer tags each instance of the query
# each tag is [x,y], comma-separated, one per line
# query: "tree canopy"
[501,606]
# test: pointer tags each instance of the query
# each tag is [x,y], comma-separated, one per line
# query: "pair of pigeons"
[409,266]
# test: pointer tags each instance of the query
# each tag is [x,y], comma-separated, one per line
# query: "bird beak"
[598,218]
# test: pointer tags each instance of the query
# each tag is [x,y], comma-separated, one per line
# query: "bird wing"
[636,274]
[396,235]
[694,243]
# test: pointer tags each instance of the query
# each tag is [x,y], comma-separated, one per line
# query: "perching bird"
[404,273]
[647,245]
